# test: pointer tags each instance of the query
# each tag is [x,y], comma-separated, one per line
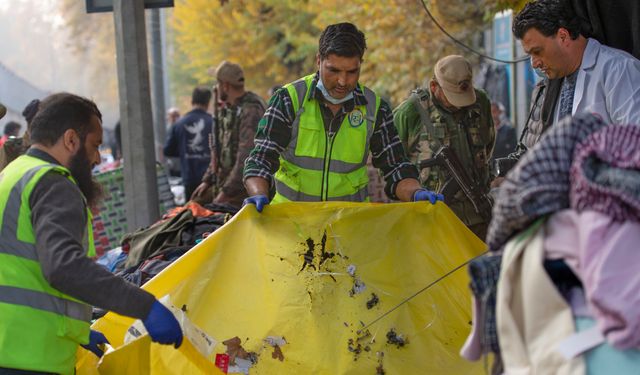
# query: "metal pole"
[157,81]
[140,182]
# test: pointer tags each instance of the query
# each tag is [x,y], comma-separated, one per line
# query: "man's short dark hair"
[547,16]
[29,112]
[59,112]
[342,39]
[11,128]
[201,96]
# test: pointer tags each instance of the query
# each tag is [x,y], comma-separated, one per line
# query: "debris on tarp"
[373,301]
[235,351]
[361,343]
[240,361]
[320,260]
[249,279]
[309,256]
[222,362]
[358,285]
[396,339]
[277,353]
[351,270]
[276,342]
[380,368]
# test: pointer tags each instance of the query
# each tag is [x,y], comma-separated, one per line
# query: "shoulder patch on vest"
[356,118]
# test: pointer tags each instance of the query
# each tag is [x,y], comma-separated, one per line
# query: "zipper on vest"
[324,165]
[327,167]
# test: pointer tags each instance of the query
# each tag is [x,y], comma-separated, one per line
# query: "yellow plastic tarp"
[273,274]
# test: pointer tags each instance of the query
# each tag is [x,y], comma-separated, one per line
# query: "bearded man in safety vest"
[47,280]
[313,142]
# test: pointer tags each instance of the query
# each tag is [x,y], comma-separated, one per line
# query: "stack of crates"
[110,223]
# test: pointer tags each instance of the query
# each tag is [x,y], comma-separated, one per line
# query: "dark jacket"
[189,140]
[506,141]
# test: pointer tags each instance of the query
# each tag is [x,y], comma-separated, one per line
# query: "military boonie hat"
[454,75]
[230,73]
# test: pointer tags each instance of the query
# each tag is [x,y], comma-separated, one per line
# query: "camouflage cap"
[454,75]
[230,73]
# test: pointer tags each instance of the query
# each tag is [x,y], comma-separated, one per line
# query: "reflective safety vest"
[317,166]
[40,327]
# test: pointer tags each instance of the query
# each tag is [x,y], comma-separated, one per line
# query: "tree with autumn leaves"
[276,40]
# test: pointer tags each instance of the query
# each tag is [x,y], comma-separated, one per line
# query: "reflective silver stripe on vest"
[9,242]
[317,164]
[46,302]
[301,90]
[298,196]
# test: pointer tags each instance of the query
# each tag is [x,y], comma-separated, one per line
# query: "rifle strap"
[416,99]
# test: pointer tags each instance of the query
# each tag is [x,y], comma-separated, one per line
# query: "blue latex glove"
[95,340]
[163,326]
[258,200]
[427,195]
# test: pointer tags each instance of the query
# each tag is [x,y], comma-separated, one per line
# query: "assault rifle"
[459,179]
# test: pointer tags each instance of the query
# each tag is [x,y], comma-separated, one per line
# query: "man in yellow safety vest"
[48,283]
[313,142]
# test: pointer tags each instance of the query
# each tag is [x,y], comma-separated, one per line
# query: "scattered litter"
[358,287]
[360,343]
[237,352]
[396,339]
[380,369]
[242,366]
[354,347]
[324,255]
[276,342]
[351,270]
[308,255]
[363,335]
[320,261]
[373,301]
[222,362]
[277,353]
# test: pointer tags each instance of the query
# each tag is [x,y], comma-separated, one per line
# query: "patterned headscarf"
[605,175]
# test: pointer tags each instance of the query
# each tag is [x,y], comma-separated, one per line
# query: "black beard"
[80,168]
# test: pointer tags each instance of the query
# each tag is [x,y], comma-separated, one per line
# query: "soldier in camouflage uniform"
[235,129]
[451,112]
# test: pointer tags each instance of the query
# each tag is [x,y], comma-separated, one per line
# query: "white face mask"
[328,96]
[540,73]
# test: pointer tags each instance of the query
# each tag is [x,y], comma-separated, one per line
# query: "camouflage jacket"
[235,130]
[469,132]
